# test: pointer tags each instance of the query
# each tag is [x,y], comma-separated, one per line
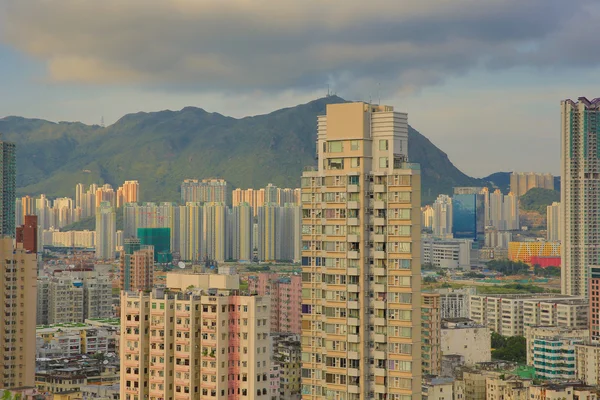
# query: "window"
[335,163]
[355,162]
[336,147]
[354,145]
[383,162]
[383,144]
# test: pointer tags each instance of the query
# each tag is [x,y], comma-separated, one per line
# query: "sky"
[482,80]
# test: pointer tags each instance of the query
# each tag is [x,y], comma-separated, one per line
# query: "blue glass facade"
[468,216]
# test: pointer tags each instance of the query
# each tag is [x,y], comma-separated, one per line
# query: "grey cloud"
[280,44]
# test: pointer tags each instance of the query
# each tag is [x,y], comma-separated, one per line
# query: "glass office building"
[160,238]
[468,213]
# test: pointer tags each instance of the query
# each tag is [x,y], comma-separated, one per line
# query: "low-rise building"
[504,313]
[567,391]
[70,340]
[551,351]
[464,337]
[100,392]
[287,353]
[507,388]
[437,389]
[448,253]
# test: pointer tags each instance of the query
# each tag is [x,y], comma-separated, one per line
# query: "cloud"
[274,45]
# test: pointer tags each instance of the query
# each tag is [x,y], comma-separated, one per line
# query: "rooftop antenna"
[328,90]
[102,121]
[379,91]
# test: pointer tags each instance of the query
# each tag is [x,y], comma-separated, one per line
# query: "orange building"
[523,251]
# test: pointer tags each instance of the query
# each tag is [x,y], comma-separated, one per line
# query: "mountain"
[537,199]
[160,149]
[500,180]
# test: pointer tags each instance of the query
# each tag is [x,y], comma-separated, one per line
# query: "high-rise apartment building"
[361,307]
[431,325]
[27,234]
[8,165]
[215,240]
[521,182]
[553,223]
[427,217]
[205,191]
[106,228]
[190,231]
[442,217]
[18,314]
[194,345]
[286,299]
[271,194]
[242,240]
[128,193]
[580,193]
[136,265]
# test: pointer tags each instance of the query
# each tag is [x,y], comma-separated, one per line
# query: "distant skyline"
[482,80]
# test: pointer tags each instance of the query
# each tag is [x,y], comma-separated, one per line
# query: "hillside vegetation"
[537,199]
[160,149]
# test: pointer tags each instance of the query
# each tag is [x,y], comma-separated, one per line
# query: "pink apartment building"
[286,299]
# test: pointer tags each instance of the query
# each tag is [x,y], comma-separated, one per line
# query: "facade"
[106,230]
[594,303]
[501,211]
[579,193]
[159,239]
[371,195]
[8,165]
[79,239]
[136,266]
[468,215]
[551,351]
[128,193]
[205,191]
[461,336]
[162,357]
[431,324]
[438,389]
[257,198]
[524,251]
[521,182]
[287,355]
[27,234]
[65,300]
[553,223]
[427,217]
[454,303]
[242,238]
[449,253]
[587,357]
[505,313]
[442,217]
[286,299]
[572,313]
[19,292]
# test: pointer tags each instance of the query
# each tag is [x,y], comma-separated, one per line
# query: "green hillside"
[537,199]
[160,149]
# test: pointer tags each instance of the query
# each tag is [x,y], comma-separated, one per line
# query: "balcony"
[353,288]
[379,372]
[379,238]
[379,221]
[379,287]
[379,205]
[353,388]
[380,304]
[379,321]
[353,255]
[353,221]
[353,238]
[353,338]
[379,188]
[379,255]
[379,354]
[380,338]
[353,321]
[353,188]
[353,305]
[354,205]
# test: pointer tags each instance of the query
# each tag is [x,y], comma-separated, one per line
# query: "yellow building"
[523,251]
[431,320]
[18,293]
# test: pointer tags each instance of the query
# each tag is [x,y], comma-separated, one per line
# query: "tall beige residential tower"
[19,293]
[361,303]
[580,193]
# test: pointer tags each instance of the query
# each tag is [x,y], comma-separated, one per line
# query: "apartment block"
[587,356]
[211,190]
[454,303]
[579,197]
[551,351]
[522,182]
[462,336]
[106,229]
[431,325]
[448,253]
[505,313]
[136,266]
[527,251]
[361,258]
[190,346]
[286,299]
[18,321]
[8,179]
[65,300]
[287,354]
[570,313]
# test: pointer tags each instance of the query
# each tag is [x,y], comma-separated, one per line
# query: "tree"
[514,349]
[498,341]
[430,279]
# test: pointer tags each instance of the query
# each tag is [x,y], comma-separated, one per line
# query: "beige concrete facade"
[194,346]
[182,280]
[463,337]
[361,218]
[19,291]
